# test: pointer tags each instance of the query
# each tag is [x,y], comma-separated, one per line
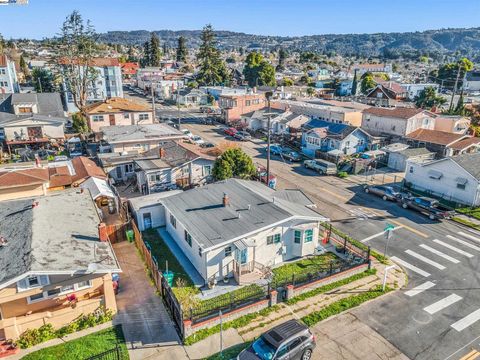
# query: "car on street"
[291,155]
[275,149]
[187,132]
[322,166]
[385,192]
[197,140]
[291,340]
[428,206]
[242,136]
[207,145]
[230,131]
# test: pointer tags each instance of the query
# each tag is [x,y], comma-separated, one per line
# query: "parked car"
[428,206]
[186,132]
[208,121]
[230,131]
[197,140]
[385,192]
[207,145]
[275,149]
[242,136]
[290,340]
[291,155]
[322,166]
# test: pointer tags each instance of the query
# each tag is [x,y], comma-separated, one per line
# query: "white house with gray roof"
[238,228]
[455,178]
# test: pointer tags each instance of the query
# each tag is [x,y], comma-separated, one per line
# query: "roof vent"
[225,200]
[3,242]
[249,207]
[238,215]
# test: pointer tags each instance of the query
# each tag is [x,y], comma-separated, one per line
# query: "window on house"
[228,251]
[297,237]
[247,102]
[173,221]
[308,235]
[126,116]
[188,238]
[68,288]
[128,168]
[155,177]
[97,118]
[2,71]
[207,170]
[35,298]
[461,186]
[411,170]
[25,109]
[143,117]
[53,292]
[273,239]
[83,285]
[33,281]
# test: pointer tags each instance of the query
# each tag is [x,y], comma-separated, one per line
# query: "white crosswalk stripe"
[424,259]
[410,266]
[420,288]
[467,321]
[442,304]
[467,244]
[439,253]
[469,236]
[453,248]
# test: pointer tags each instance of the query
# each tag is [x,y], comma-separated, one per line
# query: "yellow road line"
[471,355]
[419,233]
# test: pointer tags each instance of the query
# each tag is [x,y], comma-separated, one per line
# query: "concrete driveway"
[149,331]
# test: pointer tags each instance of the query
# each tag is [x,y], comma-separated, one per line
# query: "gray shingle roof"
[139,132]
[470,162]
[38,242]
[410,152]
[203,215]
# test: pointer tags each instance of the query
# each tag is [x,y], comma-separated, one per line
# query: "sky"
[43,18]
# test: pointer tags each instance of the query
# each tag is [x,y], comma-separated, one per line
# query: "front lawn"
[285,272]
[182,286]
[230,353]
[84,347]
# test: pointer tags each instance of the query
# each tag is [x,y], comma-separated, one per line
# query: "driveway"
[149,331]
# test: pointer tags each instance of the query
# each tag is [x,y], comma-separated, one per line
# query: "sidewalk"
[372,340]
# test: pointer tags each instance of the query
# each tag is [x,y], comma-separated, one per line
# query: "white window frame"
[97,118]
[71,288]
[142,117]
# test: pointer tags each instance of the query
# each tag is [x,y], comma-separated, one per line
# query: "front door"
[34,132]
[112,119]
[241,256]
[147,221]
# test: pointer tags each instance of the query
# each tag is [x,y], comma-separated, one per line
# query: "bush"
[46,332]
[342,174]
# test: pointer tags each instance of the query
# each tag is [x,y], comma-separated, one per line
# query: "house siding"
[378,125]
[119,119]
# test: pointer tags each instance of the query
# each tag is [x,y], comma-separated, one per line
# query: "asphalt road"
[441,322]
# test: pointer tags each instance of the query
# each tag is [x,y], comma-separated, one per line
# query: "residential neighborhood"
[236,185]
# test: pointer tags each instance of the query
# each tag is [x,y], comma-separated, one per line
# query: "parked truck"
[428,206]
[322,166]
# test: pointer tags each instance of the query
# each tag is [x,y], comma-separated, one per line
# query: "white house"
[236,227]
[472,81]
[454,178]
[413,90]
[8,76]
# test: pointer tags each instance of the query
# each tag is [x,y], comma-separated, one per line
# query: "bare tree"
[77,52]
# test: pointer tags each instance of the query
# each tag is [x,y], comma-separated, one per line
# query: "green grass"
[84,347]
[330,286]
[182,286]
[304,266]
[230,353]
[343,305]
[475,212]
[466,223]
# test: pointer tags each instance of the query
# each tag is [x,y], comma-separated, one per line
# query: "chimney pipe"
[102,232]
[226,200]
[161,152]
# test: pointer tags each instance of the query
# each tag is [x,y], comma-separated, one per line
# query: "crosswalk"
[440,254]
[362,213]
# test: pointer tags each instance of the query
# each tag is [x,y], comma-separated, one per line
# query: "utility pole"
[40,84]
[455,88]
[178,110]
[268,96]
[153,102]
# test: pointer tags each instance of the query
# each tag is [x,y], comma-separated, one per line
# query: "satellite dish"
[92,267]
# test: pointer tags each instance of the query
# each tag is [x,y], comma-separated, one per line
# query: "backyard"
[84,347]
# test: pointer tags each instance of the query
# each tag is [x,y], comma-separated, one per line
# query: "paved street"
[441,322]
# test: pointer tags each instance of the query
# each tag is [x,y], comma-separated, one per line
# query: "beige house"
[23,183]
[117,111]
[53,271]
[454,124]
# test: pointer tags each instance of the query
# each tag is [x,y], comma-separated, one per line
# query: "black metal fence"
[228,302]
[113,354]
[172,305]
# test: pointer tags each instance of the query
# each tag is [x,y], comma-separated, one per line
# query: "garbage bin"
[130,235]
[168,275]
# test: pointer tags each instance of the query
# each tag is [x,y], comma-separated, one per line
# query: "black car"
[207,145]
[291,340]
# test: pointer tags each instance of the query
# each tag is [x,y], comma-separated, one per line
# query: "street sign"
[389,227]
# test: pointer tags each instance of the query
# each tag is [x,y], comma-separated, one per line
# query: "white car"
[197,140]
[187,133]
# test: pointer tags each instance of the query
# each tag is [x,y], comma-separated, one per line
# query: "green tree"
[77,50]
[213,70]
[367,83]
[79,123]
[460,108]
[424,59]
[131,55]
[258,71]
[154,48]
[354,84]
[282,57]
[43,80]
[428,98]
[310,91]
[287,81]
[182,51]
[146,61]
[233,163]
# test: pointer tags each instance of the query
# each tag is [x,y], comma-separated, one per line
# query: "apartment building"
[8,76]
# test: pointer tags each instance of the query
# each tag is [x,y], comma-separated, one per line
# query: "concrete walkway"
[149,331]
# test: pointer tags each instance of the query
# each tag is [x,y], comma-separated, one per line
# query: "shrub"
[32,337]
[342,174]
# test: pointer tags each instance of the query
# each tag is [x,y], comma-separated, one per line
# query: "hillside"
[441,41]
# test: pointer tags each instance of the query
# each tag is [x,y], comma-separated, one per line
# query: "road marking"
[442,304]
[409,228]
[424,259]
[410,266]
[380,233]
[472,355]
[453,248]
[467,321]
[420,288]
[467,244]
[471,237]
[439,253]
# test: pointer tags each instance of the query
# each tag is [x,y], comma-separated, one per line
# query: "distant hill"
[442,41]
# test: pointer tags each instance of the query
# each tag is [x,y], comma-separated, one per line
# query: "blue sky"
[43,18]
